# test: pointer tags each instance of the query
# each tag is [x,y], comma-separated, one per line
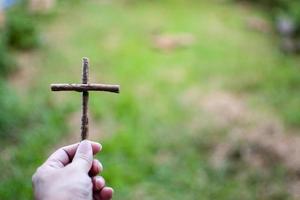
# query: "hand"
[71,173]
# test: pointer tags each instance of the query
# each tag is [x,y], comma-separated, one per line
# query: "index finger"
[64,155]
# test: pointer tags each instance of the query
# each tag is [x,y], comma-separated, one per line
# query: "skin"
[71,173]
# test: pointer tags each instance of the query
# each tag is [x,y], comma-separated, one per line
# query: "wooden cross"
[85,87]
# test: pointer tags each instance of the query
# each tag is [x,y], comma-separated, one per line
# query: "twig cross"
[85,87]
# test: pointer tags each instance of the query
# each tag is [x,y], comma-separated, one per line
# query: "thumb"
[83,158]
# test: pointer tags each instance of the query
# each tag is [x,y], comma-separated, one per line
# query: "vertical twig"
[85,99]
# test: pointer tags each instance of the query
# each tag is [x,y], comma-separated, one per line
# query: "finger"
[83,157]
[64,155]
[96,195]
[98,183]
[106,193]
[96,168]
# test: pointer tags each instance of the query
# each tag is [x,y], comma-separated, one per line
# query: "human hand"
[71,173]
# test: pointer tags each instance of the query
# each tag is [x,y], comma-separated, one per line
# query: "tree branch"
[85,87]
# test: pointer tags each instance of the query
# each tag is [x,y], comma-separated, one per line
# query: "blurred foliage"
[7,63]
[19,33]
[12,114]
[290,8]
[21,30]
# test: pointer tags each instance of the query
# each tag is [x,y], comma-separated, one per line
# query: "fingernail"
[97,144]
[100,166]
[84,142]
[84,146]
[100,183]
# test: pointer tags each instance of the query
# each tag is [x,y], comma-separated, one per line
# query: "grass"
[150,149]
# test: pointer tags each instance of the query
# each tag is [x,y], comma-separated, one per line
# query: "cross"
[85,87]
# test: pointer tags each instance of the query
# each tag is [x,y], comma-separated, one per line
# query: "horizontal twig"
[85,87]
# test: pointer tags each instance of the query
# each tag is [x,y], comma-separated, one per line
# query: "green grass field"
[157,136]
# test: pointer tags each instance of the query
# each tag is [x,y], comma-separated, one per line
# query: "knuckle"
[34,177]
[84,157]
[37,175]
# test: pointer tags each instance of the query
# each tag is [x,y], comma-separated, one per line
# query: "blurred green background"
[209,102]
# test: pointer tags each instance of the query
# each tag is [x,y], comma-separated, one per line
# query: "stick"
[85,100]
[85,87]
